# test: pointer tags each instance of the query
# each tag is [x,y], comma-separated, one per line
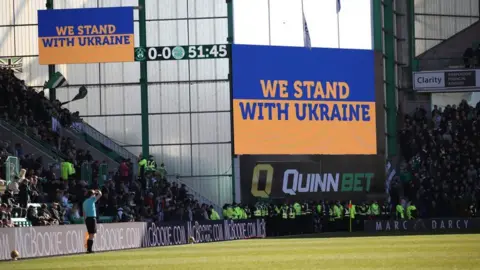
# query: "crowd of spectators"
[471,57]
[50,199]
[441,171]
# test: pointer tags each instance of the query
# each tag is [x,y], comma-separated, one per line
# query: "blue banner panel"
[89,35]
[293,100]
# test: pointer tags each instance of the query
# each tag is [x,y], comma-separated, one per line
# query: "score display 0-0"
[190,52]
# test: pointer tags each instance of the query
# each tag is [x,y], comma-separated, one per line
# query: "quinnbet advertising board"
[310,177]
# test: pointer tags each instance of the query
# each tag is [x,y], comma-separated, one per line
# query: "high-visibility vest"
[353,211]
[374,209]
[214,215]
[142,164]
[248,214]
[411,208]
[298,208]
[264,211]
[151,164]
[291,213]
[400,211]
[346,212]
[362,210]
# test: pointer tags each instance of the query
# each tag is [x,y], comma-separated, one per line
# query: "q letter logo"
[268,169]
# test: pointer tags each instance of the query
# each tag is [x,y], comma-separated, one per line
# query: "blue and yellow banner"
[87,35]
[294,101]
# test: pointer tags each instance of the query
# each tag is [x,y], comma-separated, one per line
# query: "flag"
[307,42]
[82,93]
[56,81]
[13,63]
[339,6]
[350,205]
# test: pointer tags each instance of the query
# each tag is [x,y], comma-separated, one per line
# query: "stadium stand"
[441,150]
[37,194]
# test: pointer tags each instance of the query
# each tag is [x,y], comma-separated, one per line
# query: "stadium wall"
[189,107]
[438,20]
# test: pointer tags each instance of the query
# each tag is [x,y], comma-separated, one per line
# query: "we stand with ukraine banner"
[294,101]
[87,35]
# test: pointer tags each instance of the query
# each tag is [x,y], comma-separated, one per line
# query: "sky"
[286,26]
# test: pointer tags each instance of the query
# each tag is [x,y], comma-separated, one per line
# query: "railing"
[444,63]
[197,195]
[12,168]
[87,173]
[83,127]
[28,136]
[102,138]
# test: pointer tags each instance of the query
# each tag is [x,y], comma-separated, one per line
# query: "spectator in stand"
[32,216]
[124,171]
[3,212]
[471,57]
[8,198]
[442,155]
[127,198]
[468,57]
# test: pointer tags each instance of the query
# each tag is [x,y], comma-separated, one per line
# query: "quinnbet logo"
[295,181]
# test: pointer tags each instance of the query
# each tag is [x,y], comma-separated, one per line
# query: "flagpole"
[303,16]
[338,28]
[269,26]
[350,214]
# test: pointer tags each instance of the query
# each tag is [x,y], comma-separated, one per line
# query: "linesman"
[90,215]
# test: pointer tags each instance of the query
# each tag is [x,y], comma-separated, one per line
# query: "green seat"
[21,222]
[105,219]
[77,221]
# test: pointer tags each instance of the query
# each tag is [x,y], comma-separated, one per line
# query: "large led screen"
[294,100]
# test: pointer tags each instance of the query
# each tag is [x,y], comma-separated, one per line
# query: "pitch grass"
[398,252]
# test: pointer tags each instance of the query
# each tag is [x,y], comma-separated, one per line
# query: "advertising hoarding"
[42,241]
[446,81]
[300,178]
[436,225]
